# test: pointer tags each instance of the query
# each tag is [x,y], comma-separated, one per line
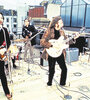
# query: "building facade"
[10,20]
[36,11]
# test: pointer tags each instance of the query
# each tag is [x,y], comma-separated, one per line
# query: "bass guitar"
[26,40]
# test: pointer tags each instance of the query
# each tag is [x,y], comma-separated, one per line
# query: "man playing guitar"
[4,45]
[55,31]
[28,31]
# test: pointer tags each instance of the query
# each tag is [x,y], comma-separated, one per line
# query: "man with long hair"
[55,31]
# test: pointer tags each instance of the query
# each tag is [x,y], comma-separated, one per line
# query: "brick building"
[36,11]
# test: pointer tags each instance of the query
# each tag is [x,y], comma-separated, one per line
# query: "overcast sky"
[12,4]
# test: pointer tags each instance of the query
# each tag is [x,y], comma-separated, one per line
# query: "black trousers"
[60,60]
[3,78]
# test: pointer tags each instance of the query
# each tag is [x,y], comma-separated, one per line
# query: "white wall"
[53,10]
[21,15]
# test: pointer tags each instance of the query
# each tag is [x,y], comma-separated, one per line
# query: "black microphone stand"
[68,96]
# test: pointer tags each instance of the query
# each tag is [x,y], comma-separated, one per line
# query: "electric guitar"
[58,46]
[3,56]
[26,40]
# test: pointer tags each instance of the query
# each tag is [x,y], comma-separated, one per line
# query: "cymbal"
[20,40]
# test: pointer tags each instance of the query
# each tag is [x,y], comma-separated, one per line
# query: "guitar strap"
[28,31]
[3,45]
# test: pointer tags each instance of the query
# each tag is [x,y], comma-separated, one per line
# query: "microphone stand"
[28,71]
[30,50]
[68,96]
[10,66]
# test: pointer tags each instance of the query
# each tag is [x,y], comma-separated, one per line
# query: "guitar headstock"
[81,32]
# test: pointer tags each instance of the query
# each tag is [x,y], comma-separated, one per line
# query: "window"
[7,20]
[75,2]
[7,13]
[87,23]
[67,16]
[15,26]
[81,13]
[74,16]
[7,26]
[14,20]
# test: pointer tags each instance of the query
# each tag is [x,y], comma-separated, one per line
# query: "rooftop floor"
[32,85]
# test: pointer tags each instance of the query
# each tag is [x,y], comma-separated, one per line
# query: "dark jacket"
[27,30]
[2,38]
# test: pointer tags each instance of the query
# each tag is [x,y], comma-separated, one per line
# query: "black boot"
[14,66]
[6,66]
[49,83]
[50,78]
[13,61]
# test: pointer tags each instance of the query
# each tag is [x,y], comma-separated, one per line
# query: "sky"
[12,4]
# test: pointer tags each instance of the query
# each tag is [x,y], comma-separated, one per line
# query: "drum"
[72,54]
[14,50]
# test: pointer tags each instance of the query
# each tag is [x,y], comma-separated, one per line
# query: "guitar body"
[2,57]
[58,46]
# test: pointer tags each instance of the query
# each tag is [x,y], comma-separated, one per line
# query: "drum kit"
[13,51]
[16,47]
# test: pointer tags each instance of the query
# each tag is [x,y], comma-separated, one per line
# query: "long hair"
[51,27]
[54,21]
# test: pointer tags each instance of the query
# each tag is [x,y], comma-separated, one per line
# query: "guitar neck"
[80,32]
[68,39]
[35,35]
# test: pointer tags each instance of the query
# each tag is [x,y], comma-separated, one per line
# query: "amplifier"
[72,54]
